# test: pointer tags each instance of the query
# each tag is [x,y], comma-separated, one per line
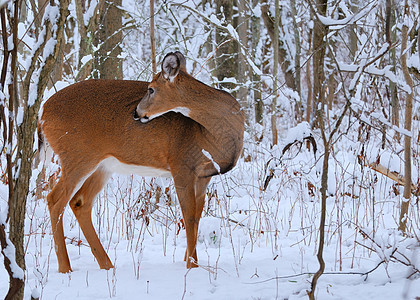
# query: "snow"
[258,235]
[208,155]
[413,61]
[4,2]
[9,252]
[19,117]
[251,244]
[298,133]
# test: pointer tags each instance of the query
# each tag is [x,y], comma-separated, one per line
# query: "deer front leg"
[185,188]
[200,194]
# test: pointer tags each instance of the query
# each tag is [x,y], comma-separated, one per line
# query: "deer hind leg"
[200,194]
[57,200]
[81,204]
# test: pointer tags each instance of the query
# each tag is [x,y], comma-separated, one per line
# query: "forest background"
[328,183]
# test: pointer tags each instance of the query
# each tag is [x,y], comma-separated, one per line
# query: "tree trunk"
[296,35]
[282,53]
[108,64]
[242,64]
[88,36]
[16,283]
[324,189]
[275,73]
[390,36]
[255,40]
[318,48]
[226,63]
[309,81]
[152,36]
[353,34]
[25,139]
[407,125]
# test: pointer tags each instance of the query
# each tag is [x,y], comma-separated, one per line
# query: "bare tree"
[319,46]
[275,73]
[407,125]
[19,182]
[283,59]
[309,80]
[390,36]
[353,28]
[152,35]
[296,35]
[255,39]
[86,32]
[242,64]
[16,283]
[226,62]
[108,63]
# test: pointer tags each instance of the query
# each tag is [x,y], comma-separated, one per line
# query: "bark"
[108,64]
[15,234]
[407,125]
[16,285]
[296,35]
[390,36]
[309,81]
[353,33]
[318,48]
[275,73]
[284,61]
[226,63]
[152,36]
[86,33]
[242,64]
[255,39]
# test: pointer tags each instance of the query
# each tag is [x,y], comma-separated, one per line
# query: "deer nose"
[136,115]
[140,115]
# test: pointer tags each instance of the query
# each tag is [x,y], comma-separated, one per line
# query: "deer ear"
[171,66]
[182,61]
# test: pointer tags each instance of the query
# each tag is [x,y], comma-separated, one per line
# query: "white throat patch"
[182,110]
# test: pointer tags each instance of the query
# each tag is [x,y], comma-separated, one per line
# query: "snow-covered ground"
[254,243]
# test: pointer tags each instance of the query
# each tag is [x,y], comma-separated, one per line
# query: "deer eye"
[151,90]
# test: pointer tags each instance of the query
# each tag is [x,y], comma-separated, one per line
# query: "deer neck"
[223,120]
[218,119]
[217,111]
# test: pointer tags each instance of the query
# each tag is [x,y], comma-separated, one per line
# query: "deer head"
[155,103]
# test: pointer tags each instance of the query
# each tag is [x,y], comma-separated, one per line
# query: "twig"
[185,284]
[312,273]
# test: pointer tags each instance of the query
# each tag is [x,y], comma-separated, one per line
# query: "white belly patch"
[113,165]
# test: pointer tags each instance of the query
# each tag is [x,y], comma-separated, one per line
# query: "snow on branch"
[335,24]
[229,29]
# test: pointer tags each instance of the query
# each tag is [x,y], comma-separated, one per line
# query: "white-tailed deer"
[175,125]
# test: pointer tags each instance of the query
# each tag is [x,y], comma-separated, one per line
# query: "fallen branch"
[393,176]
